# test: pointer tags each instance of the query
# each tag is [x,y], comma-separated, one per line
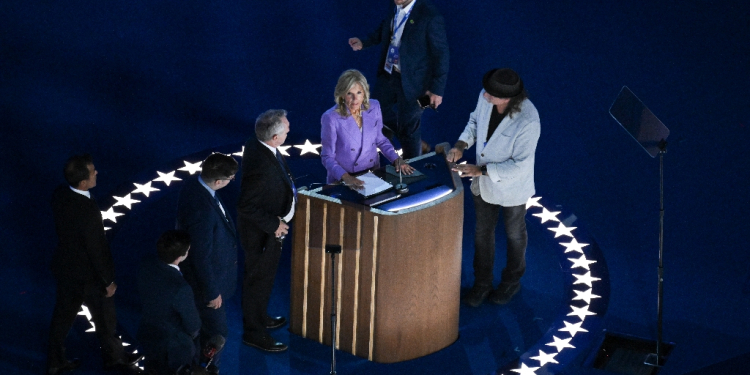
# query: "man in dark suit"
[169,319]
[414,62]
[266,205]
[85,273]
[211,269]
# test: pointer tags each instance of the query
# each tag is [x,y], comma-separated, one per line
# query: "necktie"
[221,207]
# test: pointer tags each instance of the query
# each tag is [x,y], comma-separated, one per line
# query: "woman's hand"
[401,165]
[352,182]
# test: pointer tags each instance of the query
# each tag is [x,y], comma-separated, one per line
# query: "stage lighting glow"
[562,230]
[193,168]
[581,312]
[561,344]
[545,358]
[166,178]
[144,189]
[581,262]
[308,147]
[125,201]
[111,215]
[547,215]
[585,295]
[525,370]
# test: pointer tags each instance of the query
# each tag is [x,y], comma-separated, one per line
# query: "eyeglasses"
[230,178]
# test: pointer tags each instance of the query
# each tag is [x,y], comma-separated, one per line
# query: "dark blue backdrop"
[141,83]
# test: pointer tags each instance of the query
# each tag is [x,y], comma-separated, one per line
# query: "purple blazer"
[346,149]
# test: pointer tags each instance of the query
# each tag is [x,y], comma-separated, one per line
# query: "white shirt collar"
[205,185]
[408,8]
[175,267]
[273,149]
[85,193]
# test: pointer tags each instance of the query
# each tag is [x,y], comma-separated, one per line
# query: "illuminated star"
[561,344]
[107,228]
[111,215]
[533,202]
[282,149]
[574,246]
[240,153]
[524,370]
[125,201]
[581,312]
[573,328]
[167,178]
[585,295]
[581,262]
[547,215]
[562,230]
[144,189]
[585,279]
[191,168]
[308,147]
[545,358]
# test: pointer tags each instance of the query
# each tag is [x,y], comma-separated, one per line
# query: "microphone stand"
[401,186]
[333,250]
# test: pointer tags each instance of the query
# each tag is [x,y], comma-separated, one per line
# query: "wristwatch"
[484,170]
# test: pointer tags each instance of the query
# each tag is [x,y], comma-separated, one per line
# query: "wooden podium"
[399,273]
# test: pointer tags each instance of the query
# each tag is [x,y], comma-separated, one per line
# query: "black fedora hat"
[502,83]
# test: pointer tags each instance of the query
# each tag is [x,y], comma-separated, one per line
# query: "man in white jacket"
[505,129]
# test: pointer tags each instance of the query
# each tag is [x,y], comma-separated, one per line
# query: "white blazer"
[508,154]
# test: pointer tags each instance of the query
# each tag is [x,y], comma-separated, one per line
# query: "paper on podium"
[373,184]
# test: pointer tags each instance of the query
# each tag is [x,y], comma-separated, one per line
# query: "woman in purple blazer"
[352,131]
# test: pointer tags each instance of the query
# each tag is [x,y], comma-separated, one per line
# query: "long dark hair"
[514,105]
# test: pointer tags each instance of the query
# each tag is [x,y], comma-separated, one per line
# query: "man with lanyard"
[413,64]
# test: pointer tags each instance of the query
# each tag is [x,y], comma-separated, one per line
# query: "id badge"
[392,58]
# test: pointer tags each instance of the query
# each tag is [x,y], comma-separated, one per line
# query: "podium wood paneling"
[399,277]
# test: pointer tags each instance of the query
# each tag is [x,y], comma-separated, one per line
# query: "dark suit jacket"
[265,194]
[424,49]
[211,265]
[169,318]
[82,249]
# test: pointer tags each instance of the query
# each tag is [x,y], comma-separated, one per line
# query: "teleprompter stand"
[652,135]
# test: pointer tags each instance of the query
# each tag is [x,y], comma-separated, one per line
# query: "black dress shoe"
[504,293]
[67,366]
[267,343]
[477,295]
[275,322]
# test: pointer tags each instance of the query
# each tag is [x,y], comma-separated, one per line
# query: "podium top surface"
[435,182]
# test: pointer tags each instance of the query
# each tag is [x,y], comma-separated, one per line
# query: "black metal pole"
[660,293]
[333,313]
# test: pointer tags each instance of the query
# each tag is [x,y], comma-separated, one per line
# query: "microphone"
[213,347]
[401,186]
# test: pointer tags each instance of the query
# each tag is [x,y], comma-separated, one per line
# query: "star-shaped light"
[561,344]
[581,262]
[581,312]
[111,215]
[125,201]
[167,178]
[524,370]
[547,215]
[308,147]
[533,202]
[562,230]
[585,279]
[573,328]
[241,152]
[191,168]
[144,189]
[282,149]
[574,246]
[545,358]
[107,228]
[585,295]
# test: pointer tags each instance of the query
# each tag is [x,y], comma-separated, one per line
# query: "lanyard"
[403,20]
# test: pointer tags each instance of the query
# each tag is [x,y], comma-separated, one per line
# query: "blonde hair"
[346,81]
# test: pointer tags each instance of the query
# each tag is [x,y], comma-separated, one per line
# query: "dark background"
[141,84]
